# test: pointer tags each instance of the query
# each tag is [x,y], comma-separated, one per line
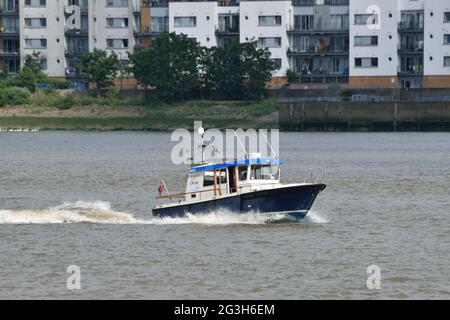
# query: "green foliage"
[58,84]
[237,70]
[169,65]
[347,93]
[174,66]
[291,76]
[31,74]
[100,67]
[34,62]
[14,96]
[66,102]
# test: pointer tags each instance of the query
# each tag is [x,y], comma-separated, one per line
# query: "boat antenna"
[242,146]
[268,143]
[201,132]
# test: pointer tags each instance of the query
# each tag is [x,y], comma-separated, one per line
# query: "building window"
[117,43]
[160,24]
[304,22]
[446,39]
[366,62]
[447,62]
[366,19]
[270,42]
[35,43]
[35,3]
[117,3]
[185,22]
[366,41]
[117,22]
[339,22]
[277,62]
[446,17]
[35,23]
[269,20]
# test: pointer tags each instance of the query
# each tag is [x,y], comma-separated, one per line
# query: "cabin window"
[208,179]
[242,171]
[261,172]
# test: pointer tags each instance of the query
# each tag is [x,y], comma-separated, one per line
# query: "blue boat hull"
[295,201]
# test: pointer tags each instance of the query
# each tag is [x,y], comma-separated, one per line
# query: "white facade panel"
[252,30]
[101,34]
[385,31]
[197,20]
[52,32]
[436,31]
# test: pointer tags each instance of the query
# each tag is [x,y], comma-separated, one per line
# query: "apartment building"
[9,36]
[359,43]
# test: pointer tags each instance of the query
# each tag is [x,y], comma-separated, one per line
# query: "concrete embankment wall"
[364,116]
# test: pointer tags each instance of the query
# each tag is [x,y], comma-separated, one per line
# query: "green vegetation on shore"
[152,116]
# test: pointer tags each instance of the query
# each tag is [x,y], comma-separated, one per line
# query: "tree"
[223,71]
[291,76]
[100,67]
[239,70]
[169,66]
[32,72]
[34,62]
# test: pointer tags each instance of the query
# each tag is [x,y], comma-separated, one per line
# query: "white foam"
[315,217]
[101,212]
[76,212]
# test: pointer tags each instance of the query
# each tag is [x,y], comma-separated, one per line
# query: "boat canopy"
[216,166]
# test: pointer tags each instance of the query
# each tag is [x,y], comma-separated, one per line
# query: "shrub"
[66,102]
[291,76]
[14,96]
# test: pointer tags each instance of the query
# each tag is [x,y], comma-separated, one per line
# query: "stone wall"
[364,116]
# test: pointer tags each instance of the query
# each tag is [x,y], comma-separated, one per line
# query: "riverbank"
[151,117]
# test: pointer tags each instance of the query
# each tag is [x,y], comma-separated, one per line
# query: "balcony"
[408,26]
[154,3]
[10,33]
[309,3]
[227,30]
[411,70]
[4,12]
[319,29]
[410,50]
[318,51]
[151,32]
[9,54]
[76,32]
[78,51]
[84,10]
[228,3]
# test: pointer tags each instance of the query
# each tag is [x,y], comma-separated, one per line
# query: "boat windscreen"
[264,172]
[221,178]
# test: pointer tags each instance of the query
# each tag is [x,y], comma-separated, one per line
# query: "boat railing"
[219,192]
[311,178]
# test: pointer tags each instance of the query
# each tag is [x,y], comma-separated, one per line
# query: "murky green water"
[85,199]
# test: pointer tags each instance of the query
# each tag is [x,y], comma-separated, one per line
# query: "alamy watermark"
[374,279]
[214,144]
[74,280]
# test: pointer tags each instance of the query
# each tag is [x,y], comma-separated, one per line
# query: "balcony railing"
[304,3]
[76,31]
[311,51]
[152,31]
[410,26]
[320,28]
[76,51]
[227,29]
[154,3]
[411,70]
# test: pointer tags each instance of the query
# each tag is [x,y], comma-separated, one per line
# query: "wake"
[101,212]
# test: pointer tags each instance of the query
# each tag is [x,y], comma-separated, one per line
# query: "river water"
[85,199]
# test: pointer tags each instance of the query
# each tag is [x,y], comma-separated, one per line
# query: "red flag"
[161,188]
